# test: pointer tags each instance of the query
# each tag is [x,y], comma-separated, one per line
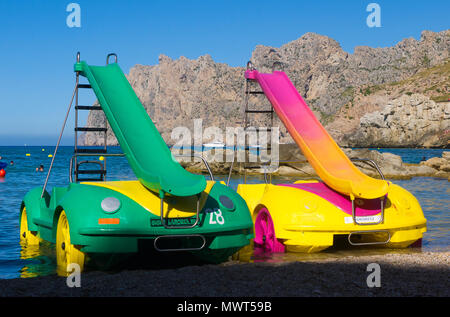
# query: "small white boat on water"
[215,144]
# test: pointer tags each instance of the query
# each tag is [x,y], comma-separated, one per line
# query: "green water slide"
[147,153]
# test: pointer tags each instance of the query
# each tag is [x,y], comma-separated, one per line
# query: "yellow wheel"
[26,236]
[66,252]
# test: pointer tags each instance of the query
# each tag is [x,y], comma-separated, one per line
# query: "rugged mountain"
[336,84]
[409,113]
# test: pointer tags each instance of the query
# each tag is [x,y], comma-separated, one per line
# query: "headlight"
[226,203]
[110,205]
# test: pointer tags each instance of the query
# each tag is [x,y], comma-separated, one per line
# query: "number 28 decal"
[215,216]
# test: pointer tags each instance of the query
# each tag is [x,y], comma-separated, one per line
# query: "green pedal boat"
[167,207]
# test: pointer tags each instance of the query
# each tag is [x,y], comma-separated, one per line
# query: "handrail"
[89,154]
[109,55]
[370,162]
[200,157]
[197,219]
[231,170]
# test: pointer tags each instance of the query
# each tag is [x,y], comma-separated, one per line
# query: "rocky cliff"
[405,122]
[348,92]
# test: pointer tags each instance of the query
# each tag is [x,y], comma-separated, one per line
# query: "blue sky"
[37,48]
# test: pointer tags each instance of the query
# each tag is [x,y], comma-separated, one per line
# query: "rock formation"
[405,122]
[441,164]
[175,92]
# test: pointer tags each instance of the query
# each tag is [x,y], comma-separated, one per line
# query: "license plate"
[173,222]
[364,219]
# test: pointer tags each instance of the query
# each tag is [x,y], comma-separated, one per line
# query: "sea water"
[15,261]
[413,156]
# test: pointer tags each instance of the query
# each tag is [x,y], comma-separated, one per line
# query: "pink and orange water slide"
[322,152]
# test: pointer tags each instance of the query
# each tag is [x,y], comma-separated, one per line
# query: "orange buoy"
[2,173]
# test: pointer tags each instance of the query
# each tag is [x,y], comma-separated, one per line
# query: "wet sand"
[416,274]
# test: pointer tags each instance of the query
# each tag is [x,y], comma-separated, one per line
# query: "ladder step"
[253,167]
[254,92]
[103,172]
[259,111]
[100,151]
[84,86]
[257,129]
[88,107]
[89,179]
[250,147]
[91,129]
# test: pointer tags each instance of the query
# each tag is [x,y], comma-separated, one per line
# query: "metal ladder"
[253,88]
[250,89]
[89,151]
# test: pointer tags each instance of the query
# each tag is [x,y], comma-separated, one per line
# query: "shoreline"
[412,274]
[292,163]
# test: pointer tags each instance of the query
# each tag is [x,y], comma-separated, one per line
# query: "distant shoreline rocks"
[440,164]
[294,164]
[406,121]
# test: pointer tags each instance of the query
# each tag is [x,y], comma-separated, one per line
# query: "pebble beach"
[412,274]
